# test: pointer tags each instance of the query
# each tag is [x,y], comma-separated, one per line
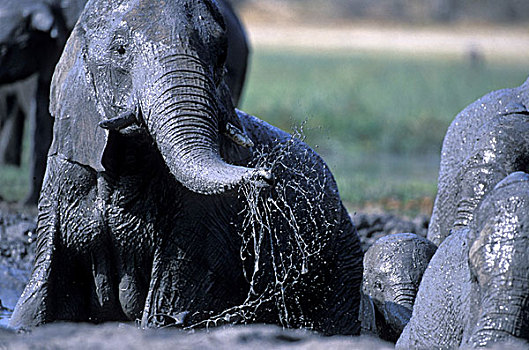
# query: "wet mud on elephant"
[486,142]
[162,203]
[474,292]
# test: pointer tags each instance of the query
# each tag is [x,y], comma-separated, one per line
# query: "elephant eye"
[121,49]
[378,285]
[119,45]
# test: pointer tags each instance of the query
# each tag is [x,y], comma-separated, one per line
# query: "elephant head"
[393,269]
[155,67]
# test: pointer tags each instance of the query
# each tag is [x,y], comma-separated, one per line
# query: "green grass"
[378,120]
[14,181]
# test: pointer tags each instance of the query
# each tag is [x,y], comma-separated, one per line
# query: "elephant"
[164,204]
[487,141]
[393,268]
[32,37]
[474,292]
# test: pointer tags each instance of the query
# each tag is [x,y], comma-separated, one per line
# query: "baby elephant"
[475,292]
[393,268]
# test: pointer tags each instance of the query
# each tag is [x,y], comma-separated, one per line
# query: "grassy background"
[378,120]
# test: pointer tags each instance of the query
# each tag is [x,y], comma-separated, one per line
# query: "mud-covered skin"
[131,255]
[474,292]
[32,36]
[185,212]
[487,141]
[393,268]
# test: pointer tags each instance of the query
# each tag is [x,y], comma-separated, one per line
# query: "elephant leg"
[183,292]
[132,289]
[11,134]
[174,290]
[73,278]
[41,300]
[502,148]
[499,262]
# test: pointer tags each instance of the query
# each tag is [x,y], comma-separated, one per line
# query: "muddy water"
[17,230]
[12,282]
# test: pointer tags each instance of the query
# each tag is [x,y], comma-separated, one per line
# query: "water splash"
[284,234]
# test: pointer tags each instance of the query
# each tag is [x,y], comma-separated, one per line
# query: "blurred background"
[372,85]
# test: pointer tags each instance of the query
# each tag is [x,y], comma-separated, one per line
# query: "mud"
[120,336]
[17,234]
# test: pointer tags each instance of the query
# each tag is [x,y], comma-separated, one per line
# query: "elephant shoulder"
[491,106]
[476,113]
[477,119]
[270,137]
[260,131]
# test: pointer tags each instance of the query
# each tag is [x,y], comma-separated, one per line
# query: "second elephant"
[486,142]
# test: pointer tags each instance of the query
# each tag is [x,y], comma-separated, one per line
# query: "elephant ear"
[74,105]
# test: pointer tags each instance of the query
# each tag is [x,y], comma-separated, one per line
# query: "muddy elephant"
[393,269]
[487,141]
[474,293]
[32,37]
[163,203]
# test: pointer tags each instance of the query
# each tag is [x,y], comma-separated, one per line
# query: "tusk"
[120,122]
[237,136]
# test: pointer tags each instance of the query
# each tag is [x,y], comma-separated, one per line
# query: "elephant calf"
[163,203]
[393,268]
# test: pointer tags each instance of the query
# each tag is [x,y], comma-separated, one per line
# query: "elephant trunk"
[405,295]
[185,123]
[398,311]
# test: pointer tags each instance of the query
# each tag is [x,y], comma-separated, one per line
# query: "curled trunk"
[185,127]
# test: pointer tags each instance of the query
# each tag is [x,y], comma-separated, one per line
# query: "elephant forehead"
[173,19]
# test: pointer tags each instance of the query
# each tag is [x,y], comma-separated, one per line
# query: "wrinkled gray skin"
[487,141]
[146,221]
[475,291]
[32,36]
[393,268]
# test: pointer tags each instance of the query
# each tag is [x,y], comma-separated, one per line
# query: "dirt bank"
[281,28]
